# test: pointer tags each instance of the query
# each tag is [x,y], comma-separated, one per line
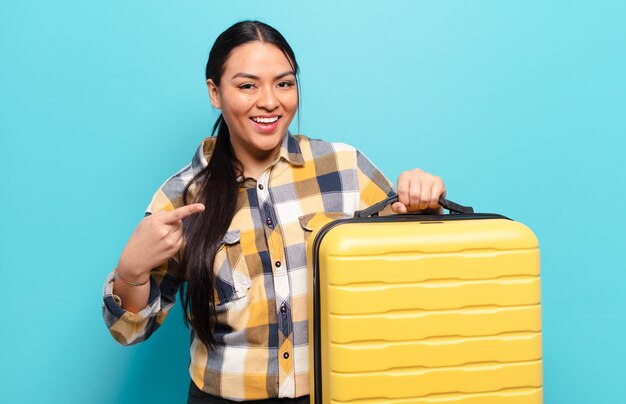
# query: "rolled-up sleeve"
[129,328]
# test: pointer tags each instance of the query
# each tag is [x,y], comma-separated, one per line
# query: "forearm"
[129,316]
[133,298]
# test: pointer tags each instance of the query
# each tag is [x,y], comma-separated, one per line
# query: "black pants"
[197,396]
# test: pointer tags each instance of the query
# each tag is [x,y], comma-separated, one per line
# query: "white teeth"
[265,120]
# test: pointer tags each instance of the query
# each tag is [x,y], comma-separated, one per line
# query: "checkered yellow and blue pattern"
[261,270]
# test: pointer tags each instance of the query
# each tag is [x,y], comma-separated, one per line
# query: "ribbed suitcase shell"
[416,310]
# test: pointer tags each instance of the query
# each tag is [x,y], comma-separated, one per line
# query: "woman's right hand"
[156,239]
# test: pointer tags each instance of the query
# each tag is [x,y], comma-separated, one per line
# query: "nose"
[267,99]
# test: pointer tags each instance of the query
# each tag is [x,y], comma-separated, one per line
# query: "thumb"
[398,208]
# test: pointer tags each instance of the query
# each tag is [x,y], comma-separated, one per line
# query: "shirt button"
[286,355]
[278,264]
[283,308]
[269,221]
[260,186]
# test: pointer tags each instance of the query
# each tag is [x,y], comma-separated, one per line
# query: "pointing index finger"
[182,212]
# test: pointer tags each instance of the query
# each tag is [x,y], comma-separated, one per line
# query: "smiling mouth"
[265,121]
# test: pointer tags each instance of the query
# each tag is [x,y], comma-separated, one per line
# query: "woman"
[228,231]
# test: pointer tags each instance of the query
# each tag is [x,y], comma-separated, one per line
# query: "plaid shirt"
[261,270]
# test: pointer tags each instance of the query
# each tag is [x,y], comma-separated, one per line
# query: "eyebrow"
[253,77]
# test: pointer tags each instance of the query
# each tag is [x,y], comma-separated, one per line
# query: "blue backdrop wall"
[520,106]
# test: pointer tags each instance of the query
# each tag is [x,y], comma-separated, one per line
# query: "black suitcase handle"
[453,207]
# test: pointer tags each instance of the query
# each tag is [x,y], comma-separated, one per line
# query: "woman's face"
[258,97]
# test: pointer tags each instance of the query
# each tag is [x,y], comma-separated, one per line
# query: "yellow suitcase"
[414,309]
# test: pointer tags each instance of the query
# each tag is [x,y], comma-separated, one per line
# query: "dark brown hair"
[216,187]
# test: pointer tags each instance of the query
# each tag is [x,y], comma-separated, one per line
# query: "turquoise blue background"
[520,106]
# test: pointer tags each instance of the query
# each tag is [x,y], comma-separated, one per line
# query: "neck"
[254,161]
[254,165]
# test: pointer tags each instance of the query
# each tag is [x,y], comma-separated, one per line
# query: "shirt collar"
[290,151]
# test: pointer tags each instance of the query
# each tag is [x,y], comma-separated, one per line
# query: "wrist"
[131,266]
[130,280]
[132,274]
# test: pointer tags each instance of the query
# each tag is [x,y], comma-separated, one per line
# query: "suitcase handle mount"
[453,207]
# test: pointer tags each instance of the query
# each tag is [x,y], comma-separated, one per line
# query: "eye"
[246,86]
[286,84]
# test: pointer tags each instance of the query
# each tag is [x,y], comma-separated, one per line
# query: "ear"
[214,94]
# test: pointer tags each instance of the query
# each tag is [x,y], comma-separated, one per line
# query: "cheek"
[236,107]
[290,102]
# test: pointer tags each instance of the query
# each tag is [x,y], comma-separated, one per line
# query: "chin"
[270,142]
